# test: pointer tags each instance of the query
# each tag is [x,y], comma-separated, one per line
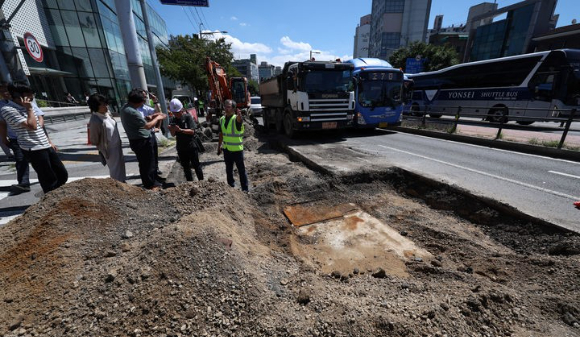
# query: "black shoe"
[19,188]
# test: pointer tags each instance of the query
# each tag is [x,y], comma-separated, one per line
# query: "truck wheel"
[265,120]
[288,126]
[279,122]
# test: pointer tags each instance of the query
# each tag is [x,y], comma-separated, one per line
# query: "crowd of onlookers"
[22,131]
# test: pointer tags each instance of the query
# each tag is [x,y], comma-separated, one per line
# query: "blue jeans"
[236,157]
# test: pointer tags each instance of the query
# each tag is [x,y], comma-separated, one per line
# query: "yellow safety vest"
[231,138]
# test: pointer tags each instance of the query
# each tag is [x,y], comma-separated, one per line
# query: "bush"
[42,103]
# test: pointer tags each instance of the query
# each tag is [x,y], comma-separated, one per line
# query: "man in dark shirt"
[183,127]
[140,138]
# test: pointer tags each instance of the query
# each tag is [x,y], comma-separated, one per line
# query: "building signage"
[33,47]
[197,3]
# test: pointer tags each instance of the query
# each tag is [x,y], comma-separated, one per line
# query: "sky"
[282,30]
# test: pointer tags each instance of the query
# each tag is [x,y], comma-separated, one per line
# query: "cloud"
[288,43]
[233,18]
[243,24]
[242,50]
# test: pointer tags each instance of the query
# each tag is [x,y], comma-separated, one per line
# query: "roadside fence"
[498,118]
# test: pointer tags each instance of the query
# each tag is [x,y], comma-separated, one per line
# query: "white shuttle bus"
[540,85]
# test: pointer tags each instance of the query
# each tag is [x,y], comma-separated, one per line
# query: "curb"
[498,144]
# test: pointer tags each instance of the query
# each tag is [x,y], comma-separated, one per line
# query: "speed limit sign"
[33,47]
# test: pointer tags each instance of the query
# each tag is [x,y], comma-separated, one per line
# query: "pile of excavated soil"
[100,258]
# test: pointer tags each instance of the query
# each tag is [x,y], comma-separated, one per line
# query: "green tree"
[184,59]
[253,87]
[436,57]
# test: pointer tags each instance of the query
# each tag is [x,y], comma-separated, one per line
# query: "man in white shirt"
[19,115]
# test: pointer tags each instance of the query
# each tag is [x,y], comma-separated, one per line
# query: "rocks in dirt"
[566,248]
[127,235]
[379,273]
[303,296]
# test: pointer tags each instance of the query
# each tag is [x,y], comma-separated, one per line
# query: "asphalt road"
[542,187]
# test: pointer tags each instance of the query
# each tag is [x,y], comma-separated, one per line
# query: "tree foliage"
[436,57]
[253,87]
[184,59]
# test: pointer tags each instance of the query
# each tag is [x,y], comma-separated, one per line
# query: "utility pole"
[160,89]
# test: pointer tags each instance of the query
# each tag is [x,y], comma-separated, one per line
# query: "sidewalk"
[520,136]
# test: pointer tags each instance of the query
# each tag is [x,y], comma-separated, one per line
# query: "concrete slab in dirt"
[305,214]
[358,241]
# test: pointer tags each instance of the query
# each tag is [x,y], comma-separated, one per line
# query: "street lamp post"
[313,52]
[201,34]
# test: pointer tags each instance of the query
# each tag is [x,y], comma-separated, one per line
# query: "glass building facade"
[88,55]
[503,38]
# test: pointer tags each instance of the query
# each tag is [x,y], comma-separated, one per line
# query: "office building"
[362,36]
[247,68]
[82,46]
[559,38]
[266,71]
[397,23]
[512,35]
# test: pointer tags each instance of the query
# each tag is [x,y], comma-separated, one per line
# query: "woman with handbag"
[105,135]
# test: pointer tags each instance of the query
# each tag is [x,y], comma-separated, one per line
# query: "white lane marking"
[565,174]
[499,150]
[486,174]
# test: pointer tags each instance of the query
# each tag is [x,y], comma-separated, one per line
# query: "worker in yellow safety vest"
[231,143]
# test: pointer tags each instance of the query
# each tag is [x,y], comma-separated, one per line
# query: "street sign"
[33,47]
[414,66]
[197,3]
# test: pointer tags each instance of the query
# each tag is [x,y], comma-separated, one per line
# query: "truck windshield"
[326,81]
[379,93]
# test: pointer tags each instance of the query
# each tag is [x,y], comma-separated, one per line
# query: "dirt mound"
[100,258]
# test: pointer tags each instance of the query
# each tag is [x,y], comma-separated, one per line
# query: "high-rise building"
[266,71]
[82,46]
[512,35]
[361,37]
[397,23]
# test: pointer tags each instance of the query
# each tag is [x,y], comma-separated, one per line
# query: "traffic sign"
[197,3]
[33,47]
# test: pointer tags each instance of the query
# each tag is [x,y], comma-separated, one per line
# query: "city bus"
[378,93]
[539,85]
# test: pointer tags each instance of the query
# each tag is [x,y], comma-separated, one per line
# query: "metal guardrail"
[65,117]
[57,104]
[500,121]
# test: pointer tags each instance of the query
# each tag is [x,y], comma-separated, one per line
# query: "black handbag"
[199,144]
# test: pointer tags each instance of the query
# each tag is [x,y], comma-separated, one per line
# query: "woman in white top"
[105,135]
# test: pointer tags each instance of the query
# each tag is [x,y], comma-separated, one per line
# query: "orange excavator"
[223,87]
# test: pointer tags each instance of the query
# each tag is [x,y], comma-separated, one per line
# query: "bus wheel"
[525,122]
[435,115]
[498,115]
[288,126]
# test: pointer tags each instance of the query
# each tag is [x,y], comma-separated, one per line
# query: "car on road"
[256,106]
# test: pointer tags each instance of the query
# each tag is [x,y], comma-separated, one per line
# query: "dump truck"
[309,96]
